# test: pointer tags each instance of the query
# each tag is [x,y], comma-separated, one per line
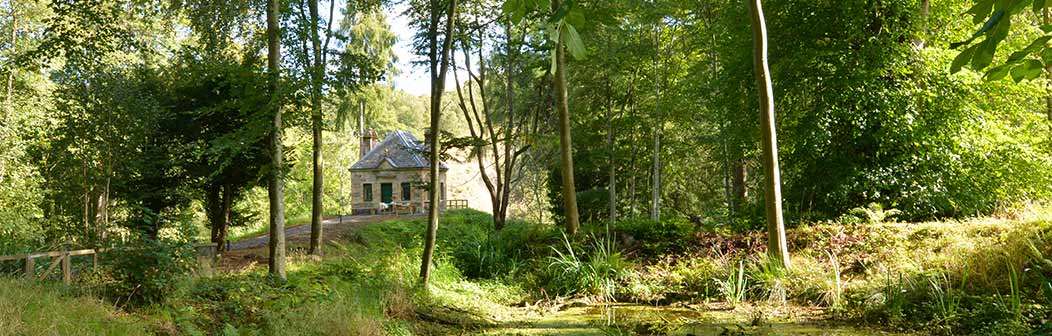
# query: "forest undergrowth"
[990,276]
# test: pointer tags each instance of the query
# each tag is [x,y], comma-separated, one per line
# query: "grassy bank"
[366,287]
[981,277]
[41,309]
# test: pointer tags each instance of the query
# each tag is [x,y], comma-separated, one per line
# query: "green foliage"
[770,278]
[1025,63]
[146,271]
[595,271]
[657,238]
[1011,301]
[834,296]
[947,297]
[735,286]
[503,254]
[874,213]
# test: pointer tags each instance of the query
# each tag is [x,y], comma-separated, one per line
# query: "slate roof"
[400,149]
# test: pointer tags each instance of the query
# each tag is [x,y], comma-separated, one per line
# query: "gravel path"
[305,230]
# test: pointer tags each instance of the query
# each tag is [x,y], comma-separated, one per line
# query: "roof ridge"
[407,155]
[411,146]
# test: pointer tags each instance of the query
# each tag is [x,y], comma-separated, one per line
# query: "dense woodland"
[885,165]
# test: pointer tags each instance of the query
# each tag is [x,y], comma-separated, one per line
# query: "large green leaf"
[990,24]
[984,54]
[997,73]
[1027,71]
[1019,5]
[963,58]
[1033,69]
[573,41]
[1036,45]
[563,10]
[1019,73]
[1046,55]
[981,10]
[510,6]
[514,10]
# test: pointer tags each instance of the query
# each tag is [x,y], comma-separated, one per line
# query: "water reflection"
[627,319]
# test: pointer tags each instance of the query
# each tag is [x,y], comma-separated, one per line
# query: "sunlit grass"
[41,309]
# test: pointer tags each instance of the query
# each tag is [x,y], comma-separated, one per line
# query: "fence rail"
[62,258]
[457,204]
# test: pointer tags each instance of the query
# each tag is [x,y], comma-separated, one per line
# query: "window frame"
[367,192]
[407,191]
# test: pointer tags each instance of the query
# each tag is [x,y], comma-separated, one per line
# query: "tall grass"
[595,274]
[1013,302]
[734,287]
[41,309]
[947,298]
[771,279]
[834,297]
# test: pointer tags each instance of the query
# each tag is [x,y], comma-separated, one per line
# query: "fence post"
[30,267]
[95,260]
[66,268]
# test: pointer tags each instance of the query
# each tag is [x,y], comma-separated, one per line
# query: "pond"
[628,319]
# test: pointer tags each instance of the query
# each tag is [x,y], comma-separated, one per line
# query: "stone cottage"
[392,175]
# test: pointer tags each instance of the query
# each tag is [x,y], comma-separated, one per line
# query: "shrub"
[493,255]
[578,271]
[655,238]
[145,271]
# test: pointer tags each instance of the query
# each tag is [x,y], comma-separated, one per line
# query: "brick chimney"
[368,142]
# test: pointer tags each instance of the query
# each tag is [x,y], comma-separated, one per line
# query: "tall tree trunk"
[224,217]
[318,190]
[276,262]
[9,107]
[105,200]
[93,210]
[510,127]
[87,193]
[655,191]
[922,38]
[714,70]
[471,114]
[1046,19]
[777,248]
[439,68]
[632,174]
[741,193]
[612,164]
[655,174]
[573,218]
[213,209]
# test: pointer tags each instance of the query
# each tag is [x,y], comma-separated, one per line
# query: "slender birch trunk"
[9,105]
[573,217]
[276,261]
[655,191]
[777,248]
[439,69]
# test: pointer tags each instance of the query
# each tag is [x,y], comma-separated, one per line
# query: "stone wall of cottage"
[418,196]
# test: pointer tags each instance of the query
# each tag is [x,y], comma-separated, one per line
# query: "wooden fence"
[457,204]
[205,254]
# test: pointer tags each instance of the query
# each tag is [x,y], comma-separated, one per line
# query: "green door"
[385,192]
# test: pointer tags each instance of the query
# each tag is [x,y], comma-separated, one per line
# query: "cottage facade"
[393,175]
